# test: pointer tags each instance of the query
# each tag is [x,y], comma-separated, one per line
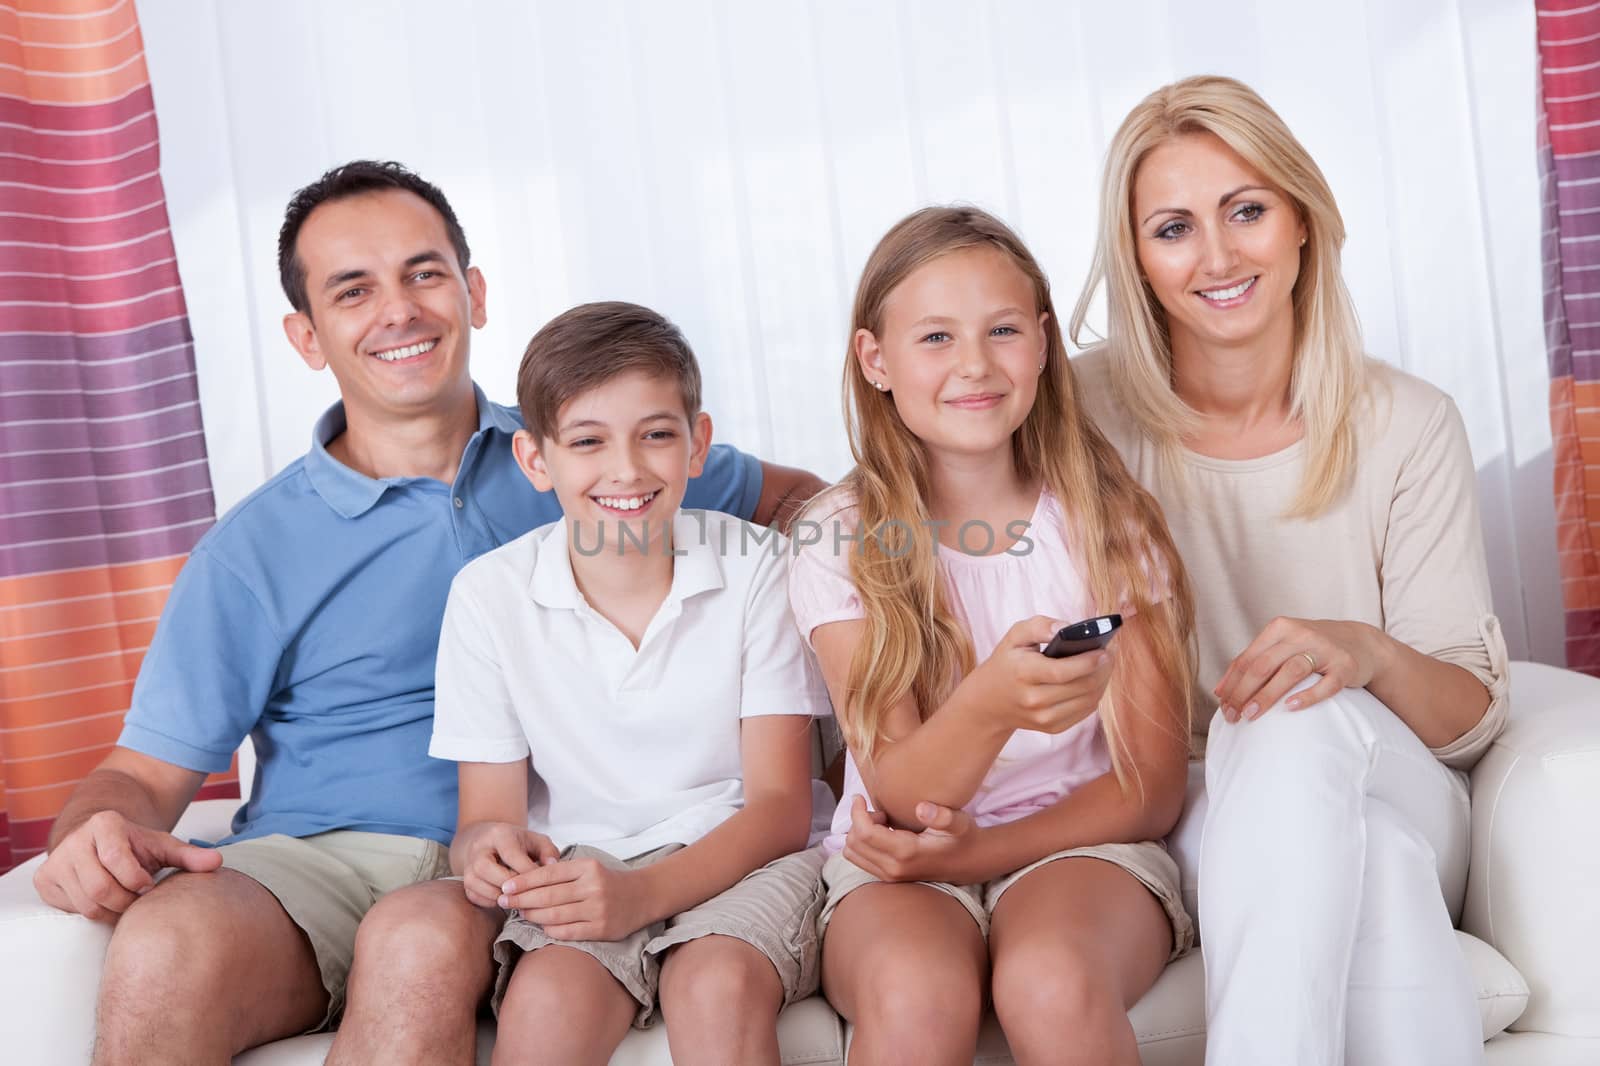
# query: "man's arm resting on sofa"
[111,838]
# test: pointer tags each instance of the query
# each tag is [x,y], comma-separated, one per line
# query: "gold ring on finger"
[1310,660]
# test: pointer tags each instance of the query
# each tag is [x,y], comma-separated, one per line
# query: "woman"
[1325,507]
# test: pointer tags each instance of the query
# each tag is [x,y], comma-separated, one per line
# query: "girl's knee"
[1063,990]
[921,1003]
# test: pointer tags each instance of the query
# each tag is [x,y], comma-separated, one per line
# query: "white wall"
[731,163]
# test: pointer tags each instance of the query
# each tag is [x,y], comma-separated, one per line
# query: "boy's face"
[392,312]
[621,456]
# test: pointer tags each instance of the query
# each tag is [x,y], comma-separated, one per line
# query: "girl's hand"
[944,851]
[1289,650]
[498,852]
[1029,690]
[580,899]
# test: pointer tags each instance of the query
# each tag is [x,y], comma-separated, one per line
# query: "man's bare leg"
[201,968]
[423,964]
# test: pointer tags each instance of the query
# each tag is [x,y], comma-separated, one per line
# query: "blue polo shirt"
[308,618]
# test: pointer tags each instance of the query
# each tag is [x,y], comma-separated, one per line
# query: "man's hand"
[498,852]
[580,899]
[101,867]
[944,851]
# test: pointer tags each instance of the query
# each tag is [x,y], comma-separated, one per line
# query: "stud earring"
[878,385]
[1302,242]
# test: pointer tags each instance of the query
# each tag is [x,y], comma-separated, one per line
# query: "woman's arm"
[1439,661]
[1438,700]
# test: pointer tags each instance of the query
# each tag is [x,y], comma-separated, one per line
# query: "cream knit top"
[1402,549]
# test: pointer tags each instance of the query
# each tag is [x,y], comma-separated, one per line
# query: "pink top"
[989,594]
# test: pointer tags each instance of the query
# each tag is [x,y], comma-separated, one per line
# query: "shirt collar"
[697,569]
[351,493]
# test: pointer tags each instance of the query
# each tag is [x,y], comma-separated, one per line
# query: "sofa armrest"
[1535,855]
[50,969]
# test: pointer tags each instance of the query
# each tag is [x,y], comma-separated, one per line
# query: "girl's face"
[1217,242]
[960,349]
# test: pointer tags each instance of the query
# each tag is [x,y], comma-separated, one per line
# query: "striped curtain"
[104,486]
[1569,163]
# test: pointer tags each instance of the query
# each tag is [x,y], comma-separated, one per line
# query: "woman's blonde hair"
[1328,377]
[913,644]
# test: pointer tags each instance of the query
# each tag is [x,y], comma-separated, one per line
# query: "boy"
[665,715]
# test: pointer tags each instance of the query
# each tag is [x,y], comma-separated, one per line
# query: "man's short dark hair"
[586,347]
[352,179]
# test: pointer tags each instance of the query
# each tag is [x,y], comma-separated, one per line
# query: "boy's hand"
[941,852]
[499,851]
[580,899]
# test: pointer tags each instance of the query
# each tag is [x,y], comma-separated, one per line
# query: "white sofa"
[1531,924]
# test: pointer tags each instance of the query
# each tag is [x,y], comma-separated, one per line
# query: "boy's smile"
[620,461]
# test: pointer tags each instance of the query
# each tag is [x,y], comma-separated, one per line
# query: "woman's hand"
[944,851]
[1026,689]
[1289,650]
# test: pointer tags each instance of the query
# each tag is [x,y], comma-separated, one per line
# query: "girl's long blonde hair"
[913,644]
[1328,378]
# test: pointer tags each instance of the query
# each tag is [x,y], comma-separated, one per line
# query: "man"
[308,618]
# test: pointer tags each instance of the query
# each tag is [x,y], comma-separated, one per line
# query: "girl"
[1326,506]
[983,511]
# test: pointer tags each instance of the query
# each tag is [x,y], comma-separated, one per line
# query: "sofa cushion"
[809,1034]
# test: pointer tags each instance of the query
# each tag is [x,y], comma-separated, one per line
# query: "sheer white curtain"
[731,163]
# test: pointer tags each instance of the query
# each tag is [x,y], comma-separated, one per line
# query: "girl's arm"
[1101,812]
[944,758]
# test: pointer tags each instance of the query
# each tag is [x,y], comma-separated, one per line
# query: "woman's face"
[1218,244]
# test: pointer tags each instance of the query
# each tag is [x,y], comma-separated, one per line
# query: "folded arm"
[1106,810]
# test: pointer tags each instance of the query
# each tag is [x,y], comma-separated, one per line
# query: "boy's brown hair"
[587,346]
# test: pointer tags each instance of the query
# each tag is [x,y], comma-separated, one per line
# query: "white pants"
[1330,851]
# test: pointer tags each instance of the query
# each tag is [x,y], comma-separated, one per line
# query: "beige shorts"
[774,909]
[1148,862]
[328,882]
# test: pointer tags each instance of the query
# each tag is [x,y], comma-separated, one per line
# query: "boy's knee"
[719,975]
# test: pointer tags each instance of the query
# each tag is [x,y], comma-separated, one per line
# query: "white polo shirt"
[630,749]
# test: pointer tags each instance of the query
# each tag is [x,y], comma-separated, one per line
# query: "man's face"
[390,307]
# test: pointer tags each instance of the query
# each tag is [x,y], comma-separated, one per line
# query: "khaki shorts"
[1148,862]
[329,881]
[773,909]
